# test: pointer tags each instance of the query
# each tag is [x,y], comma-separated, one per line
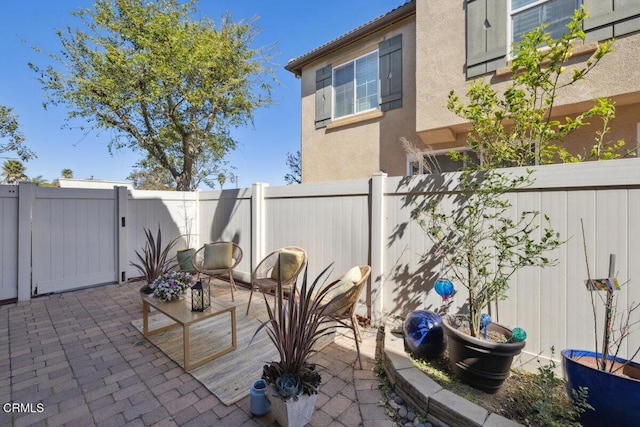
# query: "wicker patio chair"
[218,259]
[342,306]
[265,275]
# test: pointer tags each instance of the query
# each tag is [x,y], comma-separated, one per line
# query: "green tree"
[294,162]
[147,177]
[517,127]
[9,130]
[167,84]
[13,172]
[67,173]
[41,181]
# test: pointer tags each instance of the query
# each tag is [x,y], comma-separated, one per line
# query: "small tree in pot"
[483,247]
[482,241]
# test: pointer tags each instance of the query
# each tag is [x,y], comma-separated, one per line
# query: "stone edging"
[441,406]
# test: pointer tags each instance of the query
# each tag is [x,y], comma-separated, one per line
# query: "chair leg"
[356,328]
[233,286]
[355,336]
[250,296]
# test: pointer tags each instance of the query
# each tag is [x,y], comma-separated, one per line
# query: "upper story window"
[527,15]
[356,86]
[366,83]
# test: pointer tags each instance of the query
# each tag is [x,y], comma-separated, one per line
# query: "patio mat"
[231,376]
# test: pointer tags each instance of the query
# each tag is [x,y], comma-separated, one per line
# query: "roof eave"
[398,14]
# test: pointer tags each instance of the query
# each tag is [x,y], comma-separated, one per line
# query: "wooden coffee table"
[180,312]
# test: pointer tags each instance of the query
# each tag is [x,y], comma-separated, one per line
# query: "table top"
[180,310]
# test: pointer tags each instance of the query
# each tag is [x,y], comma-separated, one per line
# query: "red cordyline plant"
[295,325]
[154,259]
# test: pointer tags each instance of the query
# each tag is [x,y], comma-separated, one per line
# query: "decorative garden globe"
[423,334]
[444,288]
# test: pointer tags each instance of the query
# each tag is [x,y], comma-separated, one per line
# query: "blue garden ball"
[423,334]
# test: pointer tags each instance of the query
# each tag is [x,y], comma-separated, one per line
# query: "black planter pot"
[481,364]
[146,289]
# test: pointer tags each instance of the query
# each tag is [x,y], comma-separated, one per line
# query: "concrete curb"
[441,407]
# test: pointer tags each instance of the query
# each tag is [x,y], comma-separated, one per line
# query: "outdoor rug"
[230,376]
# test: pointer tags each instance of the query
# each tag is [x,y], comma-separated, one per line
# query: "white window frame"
[512,12]
[333,91]
[412,159]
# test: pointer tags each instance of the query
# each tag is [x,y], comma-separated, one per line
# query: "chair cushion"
[218,256]
[348,280]
[346,283]
[290,263]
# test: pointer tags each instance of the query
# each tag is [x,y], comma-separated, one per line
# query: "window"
[436,162]
[356,86]
[369,82]
[526,15]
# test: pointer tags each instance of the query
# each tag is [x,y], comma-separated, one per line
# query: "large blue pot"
[615,398]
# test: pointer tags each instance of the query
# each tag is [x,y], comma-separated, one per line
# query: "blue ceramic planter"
[615,398]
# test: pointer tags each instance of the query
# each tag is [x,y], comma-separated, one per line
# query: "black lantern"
[200,297]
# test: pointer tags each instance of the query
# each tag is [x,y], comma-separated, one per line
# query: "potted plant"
[172,285]
[484,242]
[603,386]
[483,247]
[295,326]
[153,260]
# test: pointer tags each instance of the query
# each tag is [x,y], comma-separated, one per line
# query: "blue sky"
[294,26]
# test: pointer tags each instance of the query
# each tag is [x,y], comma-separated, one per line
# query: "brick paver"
[78,355]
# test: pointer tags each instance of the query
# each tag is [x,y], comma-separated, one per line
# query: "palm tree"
[13,172]
[222,178]
[67,173]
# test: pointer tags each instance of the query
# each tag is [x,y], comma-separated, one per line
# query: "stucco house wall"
[616,77]
[362,144]
[435,60]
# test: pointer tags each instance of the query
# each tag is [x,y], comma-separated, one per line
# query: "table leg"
[234,339]
[187,352]
[145,318]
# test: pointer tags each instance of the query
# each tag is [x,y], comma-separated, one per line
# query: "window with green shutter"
[369,82]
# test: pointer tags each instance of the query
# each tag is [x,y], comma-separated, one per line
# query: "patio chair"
[218,259]
[265,275]
[342,306]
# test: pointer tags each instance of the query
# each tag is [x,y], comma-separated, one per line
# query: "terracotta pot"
[481,364]
[614,396]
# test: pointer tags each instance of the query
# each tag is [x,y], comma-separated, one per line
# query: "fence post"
[258,220]
[122,197]
[378,230]
[26,205]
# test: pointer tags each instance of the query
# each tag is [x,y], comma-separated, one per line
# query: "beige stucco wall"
[366,143]
[440,61]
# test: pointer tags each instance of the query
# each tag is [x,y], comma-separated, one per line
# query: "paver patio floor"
[78,355]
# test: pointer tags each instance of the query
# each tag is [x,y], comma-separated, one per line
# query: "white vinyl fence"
[54,240]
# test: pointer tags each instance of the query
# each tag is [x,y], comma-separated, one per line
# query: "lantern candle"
[200,297]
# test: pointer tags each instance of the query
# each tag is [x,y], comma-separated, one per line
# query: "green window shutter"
[486,35]
[390,71]
[323,97]
[611,18]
